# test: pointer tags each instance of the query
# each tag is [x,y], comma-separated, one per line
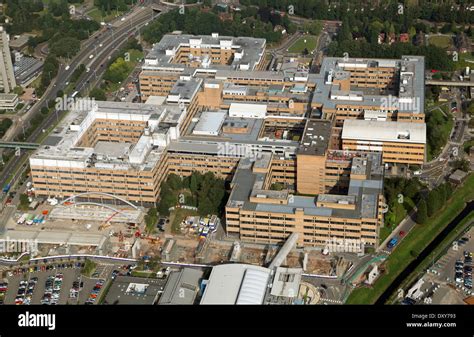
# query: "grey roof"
[27,67]
[362,193]
[315,138]
[118,294]
[162,53]
[182,287]
[186,89]
[412,79]
[286,282]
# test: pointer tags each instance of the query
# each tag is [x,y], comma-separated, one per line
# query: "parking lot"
[68,276]
[58,283]
[455,267]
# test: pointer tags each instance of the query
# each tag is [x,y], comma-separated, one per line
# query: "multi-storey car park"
[324,139]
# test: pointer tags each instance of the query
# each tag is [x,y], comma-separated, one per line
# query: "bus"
[74,94]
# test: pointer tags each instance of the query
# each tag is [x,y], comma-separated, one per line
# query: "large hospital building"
[302,152]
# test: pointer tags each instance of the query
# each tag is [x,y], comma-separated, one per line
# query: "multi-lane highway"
[101,45]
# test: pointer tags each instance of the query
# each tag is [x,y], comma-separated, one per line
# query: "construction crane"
[106,223]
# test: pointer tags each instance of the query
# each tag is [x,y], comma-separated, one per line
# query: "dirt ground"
[215,252]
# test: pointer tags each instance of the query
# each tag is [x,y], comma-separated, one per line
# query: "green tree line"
[204,191]
[246,23]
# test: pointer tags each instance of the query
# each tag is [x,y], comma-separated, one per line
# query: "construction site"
[78,227]
[215,252]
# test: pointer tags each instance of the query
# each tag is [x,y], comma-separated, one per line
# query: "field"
[96,14]
[309,42]
[441,41]
[416,240]
[465,60]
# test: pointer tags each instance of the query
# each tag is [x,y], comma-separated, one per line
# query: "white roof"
[210,123]
[247,108]
[236,283]
[403,132]
[253,287]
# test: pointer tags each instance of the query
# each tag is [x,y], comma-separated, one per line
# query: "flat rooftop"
[112,149]
[182,287]
[363,194]
[409,95]
[210,123]
[248,50]
[401,132]
[134,290]
[61,147]
[316,136]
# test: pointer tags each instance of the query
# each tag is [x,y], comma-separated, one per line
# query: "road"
[111,39]
[405,225]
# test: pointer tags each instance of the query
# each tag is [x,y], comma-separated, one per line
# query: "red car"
[402,234]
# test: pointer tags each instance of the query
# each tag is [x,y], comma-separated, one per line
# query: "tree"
[205,207]
[433,202]
[65,47]
[98,94]
[411,188]
[18,90]
[345,32]
[422,214]
[194,185]
[174,182]
[24,202]
[5,125]
[118,71]
[461,164]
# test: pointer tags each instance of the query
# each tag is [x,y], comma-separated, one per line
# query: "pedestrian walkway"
[331,301]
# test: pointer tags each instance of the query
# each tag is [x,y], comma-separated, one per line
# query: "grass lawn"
[441,41]
[415,241]
[36,83]
[96,14]
[465,60]
[142,273]
[436,254]
[177,216]
[300,44]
